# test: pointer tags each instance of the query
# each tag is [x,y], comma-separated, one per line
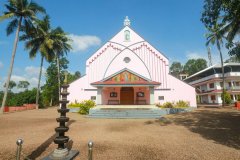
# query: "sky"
[171,26]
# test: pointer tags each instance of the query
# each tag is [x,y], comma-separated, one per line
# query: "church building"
[127,70]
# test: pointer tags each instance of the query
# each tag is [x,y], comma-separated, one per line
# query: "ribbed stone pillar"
[62,153]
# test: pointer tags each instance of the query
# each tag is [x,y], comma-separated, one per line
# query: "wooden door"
[127,96]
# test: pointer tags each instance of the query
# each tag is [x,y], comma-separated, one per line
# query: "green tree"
[73,77]
[40,39]
[233,59]
[176,68]
[51,89]
[224,13]
[77,74]
[226,97]
[18,11]
[18,99]
[11,85]
[23,84]
[195,65]
[61,47]
[215,37]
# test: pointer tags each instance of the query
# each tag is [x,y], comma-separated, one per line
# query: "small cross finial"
[65,78]
[126,21]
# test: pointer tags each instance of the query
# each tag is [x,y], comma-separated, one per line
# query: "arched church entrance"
[127,96]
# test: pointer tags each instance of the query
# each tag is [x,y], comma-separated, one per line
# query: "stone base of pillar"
[62,154]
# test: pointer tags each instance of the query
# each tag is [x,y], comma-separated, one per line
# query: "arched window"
[127,35]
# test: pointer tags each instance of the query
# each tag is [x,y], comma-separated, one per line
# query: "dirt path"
[205,134]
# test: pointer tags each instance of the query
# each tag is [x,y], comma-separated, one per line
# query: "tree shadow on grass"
[220,125]
[40,149]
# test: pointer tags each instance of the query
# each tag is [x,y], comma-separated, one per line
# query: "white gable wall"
[145,60]
[135,64]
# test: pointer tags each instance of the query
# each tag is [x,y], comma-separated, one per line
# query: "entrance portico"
[125,88]
[125,95]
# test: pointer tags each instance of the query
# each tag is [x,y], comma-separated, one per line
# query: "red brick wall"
[20,108]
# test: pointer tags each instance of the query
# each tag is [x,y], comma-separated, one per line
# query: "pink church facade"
[127,70]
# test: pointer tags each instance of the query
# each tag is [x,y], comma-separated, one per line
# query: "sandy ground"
[205,134]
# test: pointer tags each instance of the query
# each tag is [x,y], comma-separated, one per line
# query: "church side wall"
[78,92]
[178,91]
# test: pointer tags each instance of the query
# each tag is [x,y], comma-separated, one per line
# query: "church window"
[93,98]
[160,97]
[127,35]
[140,94]
[113,94]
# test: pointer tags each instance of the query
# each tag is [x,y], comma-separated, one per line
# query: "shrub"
[227,97]
[181,104]
[83,106]
[74,105]
[158,105]
[168,105]
[238,97]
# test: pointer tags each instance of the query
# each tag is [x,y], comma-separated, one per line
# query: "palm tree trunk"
[59,85]
[11,65]
[39,80]
[223,78]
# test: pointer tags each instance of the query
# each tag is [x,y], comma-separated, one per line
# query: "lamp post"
[61,152]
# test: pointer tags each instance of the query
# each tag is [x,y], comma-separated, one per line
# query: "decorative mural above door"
[125,76]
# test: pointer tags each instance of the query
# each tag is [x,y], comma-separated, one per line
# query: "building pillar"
[99,96]
[233,97]
[209,99]
[151,89]
[232,85]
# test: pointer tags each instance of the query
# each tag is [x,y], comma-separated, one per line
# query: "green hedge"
[227,97]
[18,99]
[83,106]
[178,104]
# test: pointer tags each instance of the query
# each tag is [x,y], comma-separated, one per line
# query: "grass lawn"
[204,134]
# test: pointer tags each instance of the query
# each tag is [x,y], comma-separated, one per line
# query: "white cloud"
[203,54]
[34,71]
[16,78]
[30,74]
[196,55]
[81,43]
[1,65]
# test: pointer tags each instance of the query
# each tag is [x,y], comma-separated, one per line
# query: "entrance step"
[131,112]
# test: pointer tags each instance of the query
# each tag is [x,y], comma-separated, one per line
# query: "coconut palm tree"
[39,39]
[61,46]
[216,37]
[232,30]
[209,56]
[21,13]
